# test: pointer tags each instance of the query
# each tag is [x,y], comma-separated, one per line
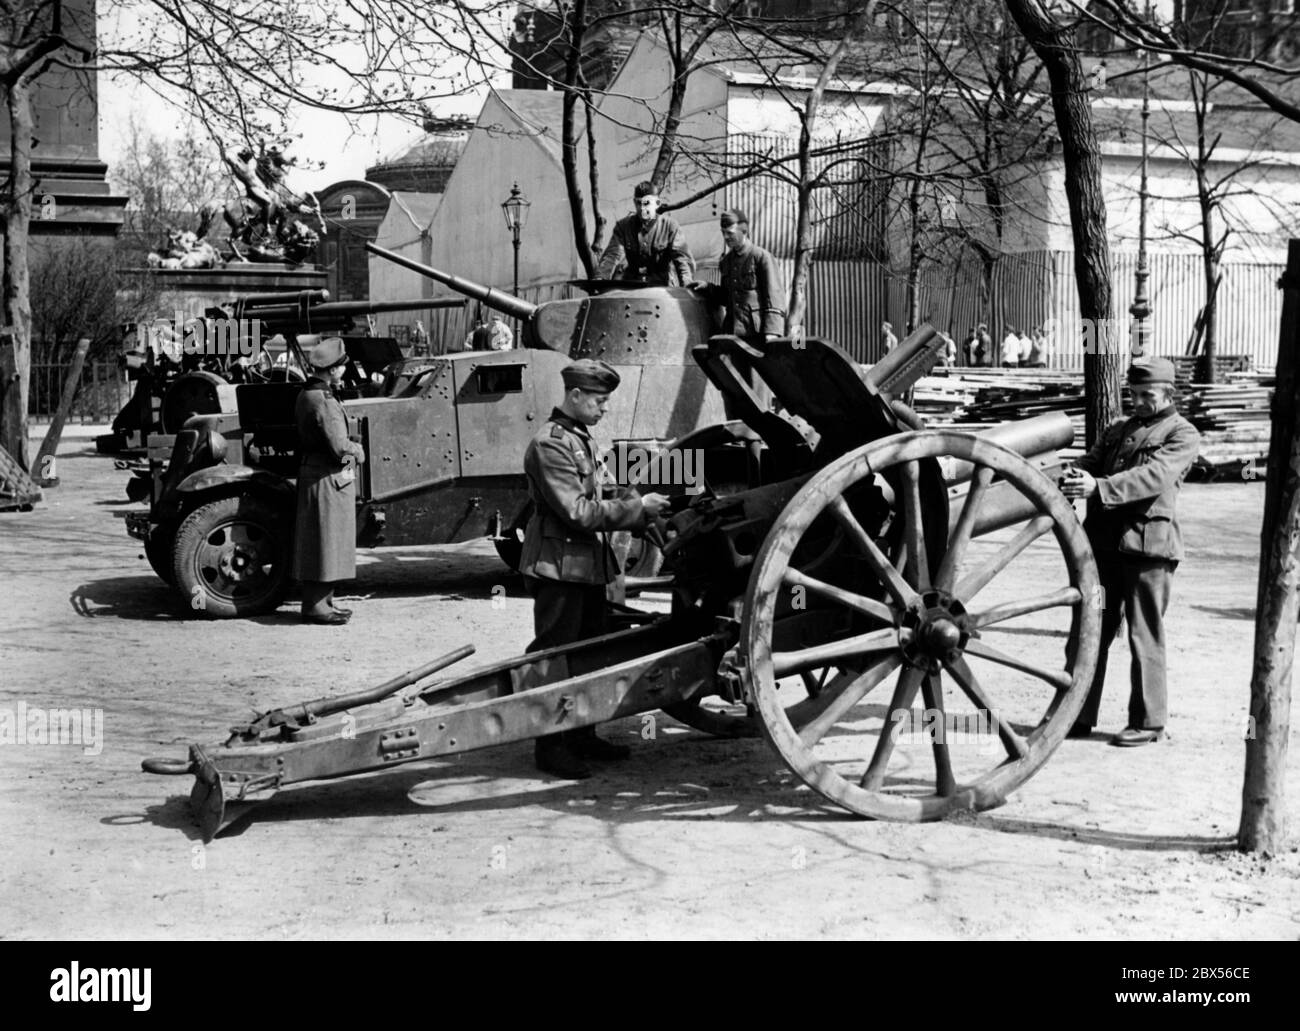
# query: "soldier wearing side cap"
[566,558]
[752,287]
[325,533]
[1130,479]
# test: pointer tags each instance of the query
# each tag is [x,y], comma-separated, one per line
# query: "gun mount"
[183,367]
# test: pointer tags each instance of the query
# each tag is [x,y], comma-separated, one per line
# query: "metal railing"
[103,391]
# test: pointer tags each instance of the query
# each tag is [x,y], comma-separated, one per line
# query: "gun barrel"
[1029,438]
[250,301]
[339,313]
[373,307]
[503,302]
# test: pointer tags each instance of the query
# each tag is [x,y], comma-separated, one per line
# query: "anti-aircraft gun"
[182,364]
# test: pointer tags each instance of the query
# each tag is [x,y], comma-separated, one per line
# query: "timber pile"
[1233,418]
[981,396]
[1232,415]
[17,489]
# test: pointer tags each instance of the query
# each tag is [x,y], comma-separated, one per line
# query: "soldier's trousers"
[565,612]
[1135,589]
[562,614]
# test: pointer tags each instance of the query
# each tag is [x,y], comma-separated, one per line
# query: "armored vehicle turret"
[645,332]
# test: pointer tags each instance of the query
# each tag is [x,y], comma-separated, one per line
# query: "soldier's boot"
[586,743]
[553,754]
[318,604]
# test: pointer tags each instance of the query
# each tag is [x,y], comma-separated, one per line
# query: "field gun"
[869,554]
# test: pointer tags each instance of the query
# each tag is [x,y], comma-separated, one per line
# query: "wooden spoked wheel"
[932,605]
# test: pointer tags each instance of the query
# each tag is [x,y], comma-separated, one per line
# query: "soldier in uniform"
[752,294]
[1131,479]
[752,288]
[325,534]
[651,247]
[566,559]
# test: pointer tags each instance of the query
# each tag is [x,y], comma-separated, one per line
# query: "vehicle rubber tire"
[232,556]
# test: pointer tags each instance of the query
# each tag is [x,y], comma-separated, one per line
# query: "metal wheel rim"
[237,560]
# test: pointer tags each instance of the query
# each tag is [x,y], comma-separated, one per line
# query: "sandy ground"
[692,837]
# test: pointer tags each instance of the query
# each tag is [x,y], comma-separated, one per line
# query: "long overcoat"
[325,533]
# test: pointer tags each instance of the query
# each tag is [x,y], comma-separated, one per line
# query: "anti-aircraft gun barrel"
[502,302]
[302,312]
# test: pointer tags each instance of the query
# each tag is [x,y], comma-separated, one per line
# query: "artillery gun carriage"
[850,605]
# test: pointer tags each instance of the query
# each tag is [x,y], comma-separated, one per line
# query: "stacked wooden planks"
[1232,415]
[17,489]
[1233,418]
[968,395]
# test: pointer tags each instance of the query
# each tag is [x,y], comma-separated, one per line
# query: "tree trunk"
[1081,157]
[1263,795]
[914,252]
[16,339]
[593,176]
[798,302]
[1210,270]
[569,140]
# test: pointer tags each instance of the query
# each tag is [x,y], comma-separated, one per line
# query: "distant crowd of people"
[1019,349]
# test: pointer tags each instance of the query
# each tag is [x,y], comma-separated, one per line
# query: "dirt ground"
[691,838]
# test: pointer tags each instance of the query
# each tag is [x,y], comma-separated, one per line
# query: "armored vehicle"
[444,447]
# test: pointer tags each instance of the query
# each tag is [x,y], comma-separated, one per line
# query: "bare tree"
[31,31]
[1053,41]
[240,66]
[166,182]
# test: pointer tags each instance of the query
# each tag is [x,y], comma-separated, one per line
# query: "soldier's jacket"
[564,539]
[1139,465]
[657,254]
[753,292]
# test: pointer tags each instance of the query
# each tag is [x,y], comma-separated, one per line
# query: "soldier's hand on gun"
[1078,484]
[655,504]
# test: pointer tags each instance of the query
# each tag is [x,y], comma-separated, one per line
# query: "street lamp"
[516,211]
[1140,309]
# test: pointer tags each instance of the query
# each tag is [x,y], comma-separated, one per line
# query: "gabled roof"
[419,208]
[538,113]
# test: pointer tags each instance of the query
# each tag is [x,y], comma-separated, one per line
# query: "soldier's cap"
[325,353]
[1150,369]
[644,189]
[593,376]
[733,217]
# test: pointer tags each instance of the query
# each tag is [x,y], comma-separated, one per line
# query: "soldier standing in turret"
[649,247]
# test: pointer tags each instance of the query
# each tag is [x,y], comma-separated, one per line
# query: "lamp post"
[1140,309]
[516,208]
